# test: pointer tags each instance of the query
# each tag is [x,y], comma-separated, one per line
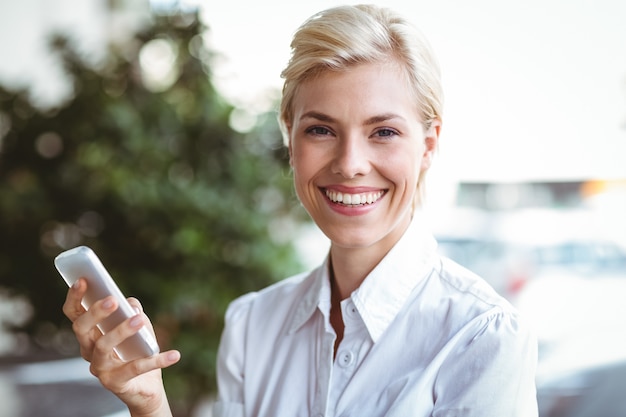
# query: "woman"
[384,327]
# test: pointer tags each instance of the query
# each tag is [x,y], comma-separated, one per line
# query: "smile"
[354,199]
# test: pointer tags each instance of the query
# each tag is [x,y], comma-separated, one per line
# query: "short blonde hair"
[342,37]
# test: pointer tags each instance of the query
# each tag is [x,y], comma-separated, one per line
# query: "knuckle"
[106,380]
[94,371]
[85,354]
[75,327]
[106,377]
[100,345]
[135,367]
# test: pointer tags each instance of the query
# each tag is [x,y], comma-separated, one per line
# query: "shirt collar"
[385,290]
[316,293]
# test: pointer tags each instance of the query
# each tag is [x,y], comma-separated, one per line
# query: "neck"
[348,272]
[350,266]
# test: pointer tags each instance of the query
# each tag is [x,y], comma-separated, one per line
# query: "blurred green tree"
[185,212]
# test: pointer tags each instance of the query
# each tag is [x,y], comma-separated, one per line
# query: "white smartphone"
[82,262]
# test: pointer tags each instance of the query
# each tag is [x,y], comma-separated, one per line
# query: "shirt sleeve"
[490,370]
[231,359]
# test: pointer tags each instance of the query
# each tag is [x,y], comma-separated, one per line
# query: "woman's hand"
[137,383]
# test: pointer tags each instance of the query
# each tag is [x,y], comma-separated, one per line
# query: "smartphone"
[82,262]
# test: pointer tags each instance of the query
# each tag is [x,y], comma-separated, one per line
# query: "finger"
[72,308]
[105,344]
[85,326]
[135,304]
[98,311]
[158,361]
[141,366]
[115,379]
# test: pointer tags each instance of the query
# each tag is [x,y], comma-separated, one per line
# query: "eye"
[318,131]
[385,133]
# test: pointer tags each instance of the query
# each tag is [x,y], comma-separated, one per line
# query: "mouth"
[353,200]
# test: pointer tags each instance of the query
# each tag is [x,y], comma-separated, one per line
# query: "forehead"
[361,90]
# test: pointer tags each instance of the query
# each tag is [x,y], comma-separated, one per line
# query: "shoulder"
[464,283]
[478,316]
[490,347]
[472,306]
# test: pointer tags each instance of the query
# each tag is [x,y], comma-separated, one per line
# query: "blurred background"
[147,130]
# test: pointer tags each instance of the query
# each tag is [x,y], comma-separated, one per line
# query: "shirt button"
[351,311]
[346,358]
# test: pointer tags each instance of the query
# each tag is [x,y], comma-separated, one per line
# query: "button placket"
[345,358]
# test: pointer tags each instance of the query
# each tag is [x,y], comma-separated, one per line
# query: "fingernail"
[107,304]
[173,356]
[136,321]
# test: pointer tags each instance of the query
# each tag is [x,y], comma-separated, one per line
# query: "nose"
[351,157]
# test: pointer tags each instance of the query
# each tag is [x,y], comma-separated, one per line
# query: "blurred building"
[605,199]
[515,195]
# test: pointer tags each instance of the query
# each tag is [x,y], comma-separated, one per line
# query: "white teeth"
[353,199]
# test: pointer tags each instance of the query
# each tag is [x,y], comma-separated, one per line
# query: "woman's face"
[357,147]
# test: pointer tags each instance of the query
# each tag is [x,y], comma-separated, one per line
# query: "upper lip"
[352,190]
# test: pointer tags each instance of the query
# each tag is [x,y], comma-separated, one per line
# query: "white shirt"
[423,337]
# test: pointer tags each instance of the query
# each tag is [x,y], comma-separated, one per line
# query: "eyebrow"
[370,121]
[382,118]
[318,116]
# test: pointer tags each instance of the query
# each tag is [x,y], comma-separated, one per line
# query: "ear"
[431,142]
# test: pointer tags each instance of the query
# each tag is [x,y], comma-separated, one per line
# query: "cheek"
[403,167]
[303,171]
[298,164]
[306,160]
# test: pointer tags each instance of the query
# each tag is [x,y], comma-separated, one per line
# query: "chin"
[352,238]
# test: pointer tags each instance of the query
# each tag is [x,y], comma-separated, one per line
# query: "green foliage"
[180,208]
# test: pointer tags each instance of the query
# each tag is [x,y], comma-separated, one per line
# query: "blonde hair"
[342,37]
